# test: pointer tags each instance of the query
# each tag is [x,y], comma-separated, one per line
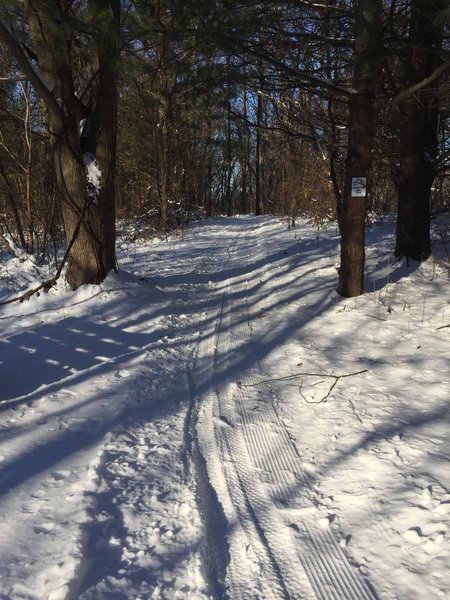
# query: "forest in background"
[152,111]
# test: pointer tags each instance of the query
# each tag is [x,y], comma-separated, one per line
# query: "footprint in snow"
[427,495]
[44,528]
[56,480]
[183,509]
[345,541]
[433,545]
[38,503]
[325,521]
[309,468]
[443,508]
[159,449]
[61,475]
[413,535]
[33,507]
[123,373]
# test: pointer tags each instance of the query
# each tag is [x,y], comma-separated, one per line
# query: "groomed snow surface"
[213,421]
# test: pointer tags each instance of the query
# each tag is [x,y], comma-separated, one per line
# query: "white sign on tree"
[359,185]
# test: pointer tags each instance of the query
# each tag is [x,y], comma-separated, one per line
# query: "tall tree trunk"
[28,165]
[82,153]
[418,124]
[85,263]
[414,186]
[259,157]
[245,157]
[164,175]
[209,176]
[229,166]
[361,130]
[103,132]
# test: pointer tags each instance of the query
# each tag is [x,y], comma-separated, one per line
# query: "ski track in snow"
[161,436]
[277,547]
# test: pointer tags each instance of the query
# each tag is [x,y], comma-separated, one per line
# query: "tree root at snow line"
[49,283]
[324,399]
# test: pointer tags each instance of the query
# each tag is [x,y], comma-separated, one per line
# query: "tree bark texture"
[93,253]
[13,205]
[361,129]
[418,124]
[259,157]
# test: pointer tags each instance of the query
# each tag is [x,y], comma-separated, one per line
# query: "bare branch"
[282,66]
[421,84]
[13,79]
[28,69]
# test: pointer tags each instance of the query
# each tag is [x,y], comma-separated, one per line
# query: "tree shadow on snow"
[44,358]
[51,352]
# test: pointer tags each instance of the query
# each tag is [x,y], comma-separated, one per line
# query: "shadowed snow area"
[213,421]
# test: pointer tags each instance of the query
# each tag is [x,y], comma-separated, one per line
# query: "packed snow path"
[214,421]
[277,549]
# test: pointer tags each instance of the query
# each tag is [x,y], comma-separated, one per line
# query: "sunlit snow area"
[214,421]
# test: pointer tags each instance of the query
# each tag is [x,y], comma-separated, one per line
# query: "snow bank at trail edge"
[97,487]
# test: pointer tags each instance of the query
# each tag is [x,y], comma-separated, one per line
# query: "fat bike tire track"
[263,538]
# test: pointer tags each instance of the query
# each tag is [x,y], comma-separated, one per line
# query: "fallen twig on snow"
[300,375]
[333,385]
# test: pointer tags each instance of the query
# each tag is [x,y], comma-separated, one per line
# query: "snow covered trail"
[213,421]
[276,547]
[95,501]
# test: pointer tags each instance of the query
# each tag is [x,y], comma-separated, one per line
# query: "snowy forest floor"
[214,421]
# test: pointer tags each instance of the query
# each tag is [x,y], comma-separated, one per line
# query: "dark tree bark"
[229,166]
[245,157]
[418,124]
[361,129]
[13,205]
[209,177]
[259,156]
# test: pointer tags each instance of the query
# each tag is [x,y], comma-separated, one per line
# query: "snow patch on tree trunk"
[93,174]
